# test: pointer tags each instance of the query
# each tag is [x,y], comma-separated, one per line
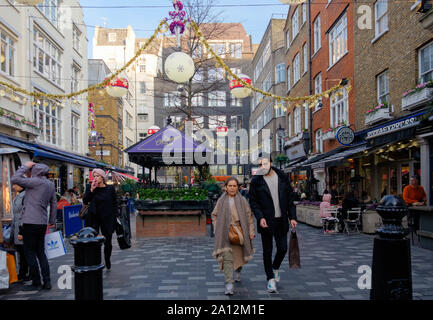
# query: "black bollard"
[392,267]
[88,266]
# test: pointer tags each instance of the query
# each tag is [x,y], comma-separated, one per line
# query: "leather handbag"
[236,235]
[294,256]
[84,211]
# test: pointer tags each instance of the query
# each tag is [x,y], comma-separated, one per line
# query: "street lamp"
[101,140]
[280,133]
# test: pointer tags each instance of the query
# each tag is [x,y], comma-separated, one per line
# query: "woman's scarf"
[222,227]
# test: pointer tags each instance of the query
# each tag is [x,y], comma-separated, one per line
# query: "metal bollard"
[88,266]
[392,267]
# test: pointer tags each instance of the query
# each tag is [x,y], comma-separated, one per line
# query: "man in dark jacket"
[40,193]
[271,200]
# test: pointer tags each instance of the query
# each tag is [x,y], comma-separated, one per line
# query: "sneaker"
[229,289]
[238,276]
[277,275]
[272,286]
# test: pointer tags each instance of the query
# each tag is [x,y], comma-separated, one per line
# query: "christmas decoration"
[117,87]
[238,89]
[30,2]
[179,67]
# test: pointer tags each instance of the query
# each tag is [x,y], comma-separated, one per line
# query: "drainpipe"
[310,75]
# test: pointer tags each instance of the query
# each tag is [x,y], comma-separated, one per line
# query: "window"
[382,88]
[217,99]
[215,74]
[47,117]
[339,109]
[260,122]
[236,102]
[288,39]
[112,37]
[7,47]
[197,100]
[198,123]
[172,99]
[236,71]
[75,121]
[217,121]
[280,73]
[304,12]
[267,115]
[319,141]
[143,117]
[289,130]
[197,52]
[46,57]
[305,54]
[259,68]
[236,122]
[76,34]
[318,89]
[297,120]
[253,128]
[267,53]
[381,17]
[128,119]
[306,115]
[317,35]
[142,87]
[198,76]
[426,63]
[288,78]
[142,108]
[143,67]
[338,41]
[267,84]
[236,50]
[295,24]
[50,9]
[219,49]
[74,79]
[296,69]
[279,110]
[142,136]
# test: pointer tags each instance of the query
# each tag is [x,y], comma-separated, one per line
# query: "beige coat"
[238,260]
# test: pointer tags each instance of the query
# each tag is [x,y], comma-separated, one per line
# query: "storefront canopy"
[167,147]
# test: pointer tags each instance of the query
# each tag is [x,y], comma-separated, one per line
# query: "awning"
[127,176]
[10,150]
[340,156]
[39,153]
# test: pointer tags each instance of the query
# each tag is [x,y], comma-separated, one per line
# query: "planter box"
[149,205]
[309,215]
[379,115]
[416,99]
[329,135]
[294,139]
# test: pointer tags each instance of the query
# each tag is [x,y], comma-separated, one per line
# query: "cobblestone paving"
[183,268]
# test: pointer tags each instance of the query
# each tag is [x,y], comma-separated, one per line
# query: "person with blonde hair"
[232,211]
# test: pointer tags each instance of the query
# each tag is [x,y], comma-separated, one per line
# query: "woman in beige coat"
[232,209]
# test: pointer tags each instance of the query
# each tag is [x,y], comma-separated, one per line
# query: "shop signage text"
[393,127]
[295,152]
[345,136]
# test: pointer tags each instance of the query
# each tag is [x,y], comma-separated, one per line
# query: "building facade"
[44,48]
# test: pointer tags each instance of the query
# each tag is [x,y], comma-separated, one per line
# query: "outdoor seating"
[330,222]
[352,221]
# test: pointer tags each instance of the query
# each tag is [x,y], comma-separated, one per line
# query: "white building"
[44,48]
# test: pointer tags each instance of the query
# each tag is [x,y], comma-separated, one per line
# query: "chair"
[326,222]
[352,220]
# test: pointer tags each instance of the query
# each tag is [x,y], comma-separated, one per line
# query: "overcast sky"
[254,15]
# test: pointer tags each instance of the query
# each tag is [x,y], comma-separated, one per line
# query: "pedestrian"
[40,193]
[334,195]
[232,209]
[103,210]
[271,199]
[18,207]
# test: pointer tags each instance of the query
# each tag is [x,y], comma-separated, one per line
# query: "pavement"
[184,269]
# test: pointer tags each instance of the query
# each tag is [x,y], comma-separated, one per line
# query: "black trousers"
[267,243]
[34,251]
[97,224]
[24,268]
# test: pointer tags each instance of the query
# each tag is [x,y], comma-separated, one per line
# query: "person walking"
[40,193]
[232,209]
[271,200]
[103,210]
[18,207]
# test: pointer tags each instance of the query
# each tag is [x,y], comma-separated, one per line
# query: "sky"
[253,14]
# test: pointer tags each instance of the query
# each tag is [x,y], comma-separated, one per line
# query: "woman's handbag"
[294,257]
[123,238]
[84,211]
[236,235]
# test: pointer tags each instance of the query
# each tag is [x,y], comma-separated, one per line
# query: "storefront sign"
[397,126]
[295,152]
[345,136]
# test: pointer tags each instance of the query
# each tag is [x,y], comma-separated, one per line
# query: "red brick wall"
[344,68]
[148,226]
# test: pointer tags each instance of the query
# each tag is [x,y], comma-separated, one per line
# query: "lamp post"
[101,140]
[280,133]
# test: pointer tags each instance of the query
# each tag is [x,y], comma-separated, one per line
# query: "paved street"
[183,268]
